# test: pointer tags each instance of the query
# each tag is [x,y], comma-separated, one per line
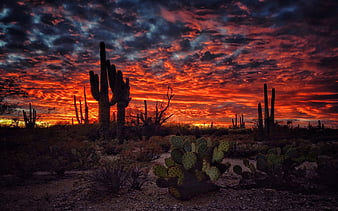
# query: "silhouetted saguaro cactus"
[241,121]
[268,119]
[260,119]
[121,97]
[80,119]
[30,120]
[266,110]
[86,119]
[272,115]
[99,89]
[121,94]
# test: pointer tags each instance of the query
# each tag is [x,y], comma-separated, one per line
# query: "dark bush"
[110,178]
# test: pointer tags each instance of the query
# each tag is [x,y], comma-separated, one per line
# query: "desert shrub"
[110,177]
[113,175]
[25,165]
[328,148]
[238,149]
[148,153]
[138,176]
[328,172]
[163,142]
[71,155]
[111,148]
[141,151]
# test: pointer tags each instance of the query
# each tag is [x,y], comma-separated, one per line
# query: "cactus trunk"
[120,122]
[99,89]
[269,120]
[86,120]
[266,110]
[104,107]
[260,119]
[76,111]
[272,115]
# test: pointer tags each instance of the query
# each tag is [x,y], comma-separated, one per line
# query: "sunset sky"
[215,54]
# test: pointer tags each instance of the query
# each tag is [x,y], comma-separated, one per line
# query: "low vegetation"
[196,158]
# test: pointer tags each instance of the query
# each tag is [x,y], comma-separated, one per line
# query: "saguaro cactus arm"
[86,118]
[272,115]
[120,89]
[260,117]
[266,102]
[111,75]
[94,85]
[76,111]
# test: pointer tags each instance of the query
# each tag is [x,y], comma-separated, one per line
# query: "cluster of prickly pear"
[245,174]
[277,158]
[192,163]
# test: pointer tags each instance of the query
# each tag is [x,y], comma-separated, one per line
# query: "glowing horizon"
[216,56]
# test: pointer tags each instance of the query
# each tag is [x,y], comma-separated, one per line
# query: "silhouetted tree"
[151,124]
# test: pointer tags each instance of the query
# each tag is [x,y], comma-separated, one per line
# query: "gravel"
[72,192]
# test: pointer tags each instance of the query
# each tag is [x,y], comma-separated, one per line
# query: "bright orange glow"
[216,56]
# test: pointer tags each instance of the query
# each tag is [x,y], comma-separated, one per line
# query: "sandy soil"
[72,192]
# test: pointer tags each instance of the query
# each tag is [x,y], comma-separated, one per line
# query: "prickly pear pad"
[160,170]
[224,146]
[189,160]
[213,173]
[176,142]
[217,155]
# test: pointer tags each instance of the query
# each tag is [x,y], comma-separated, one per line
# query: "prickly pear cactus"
[193,166]
[217,155]
[189,160]
[175,171]
[169,162]
[224,146]
[276,158]
[237,169]
[200,175]
[177,155]
[187,146]
[176,142]
[160,171]
[213,173]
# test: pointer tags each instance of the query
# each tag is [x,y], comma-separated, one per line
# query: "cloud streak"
[216,55]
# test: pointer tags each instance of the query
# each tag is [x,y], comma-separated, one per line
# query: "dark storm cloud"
[329,62]
[207,56]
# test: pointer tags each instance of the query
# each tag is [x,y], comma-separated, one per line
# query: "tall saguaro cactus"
[266,109]
[99,89]
[121,97]
[120,89]
[268,119]
[31,119]
[272,115]
[260,119]
[80,119]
